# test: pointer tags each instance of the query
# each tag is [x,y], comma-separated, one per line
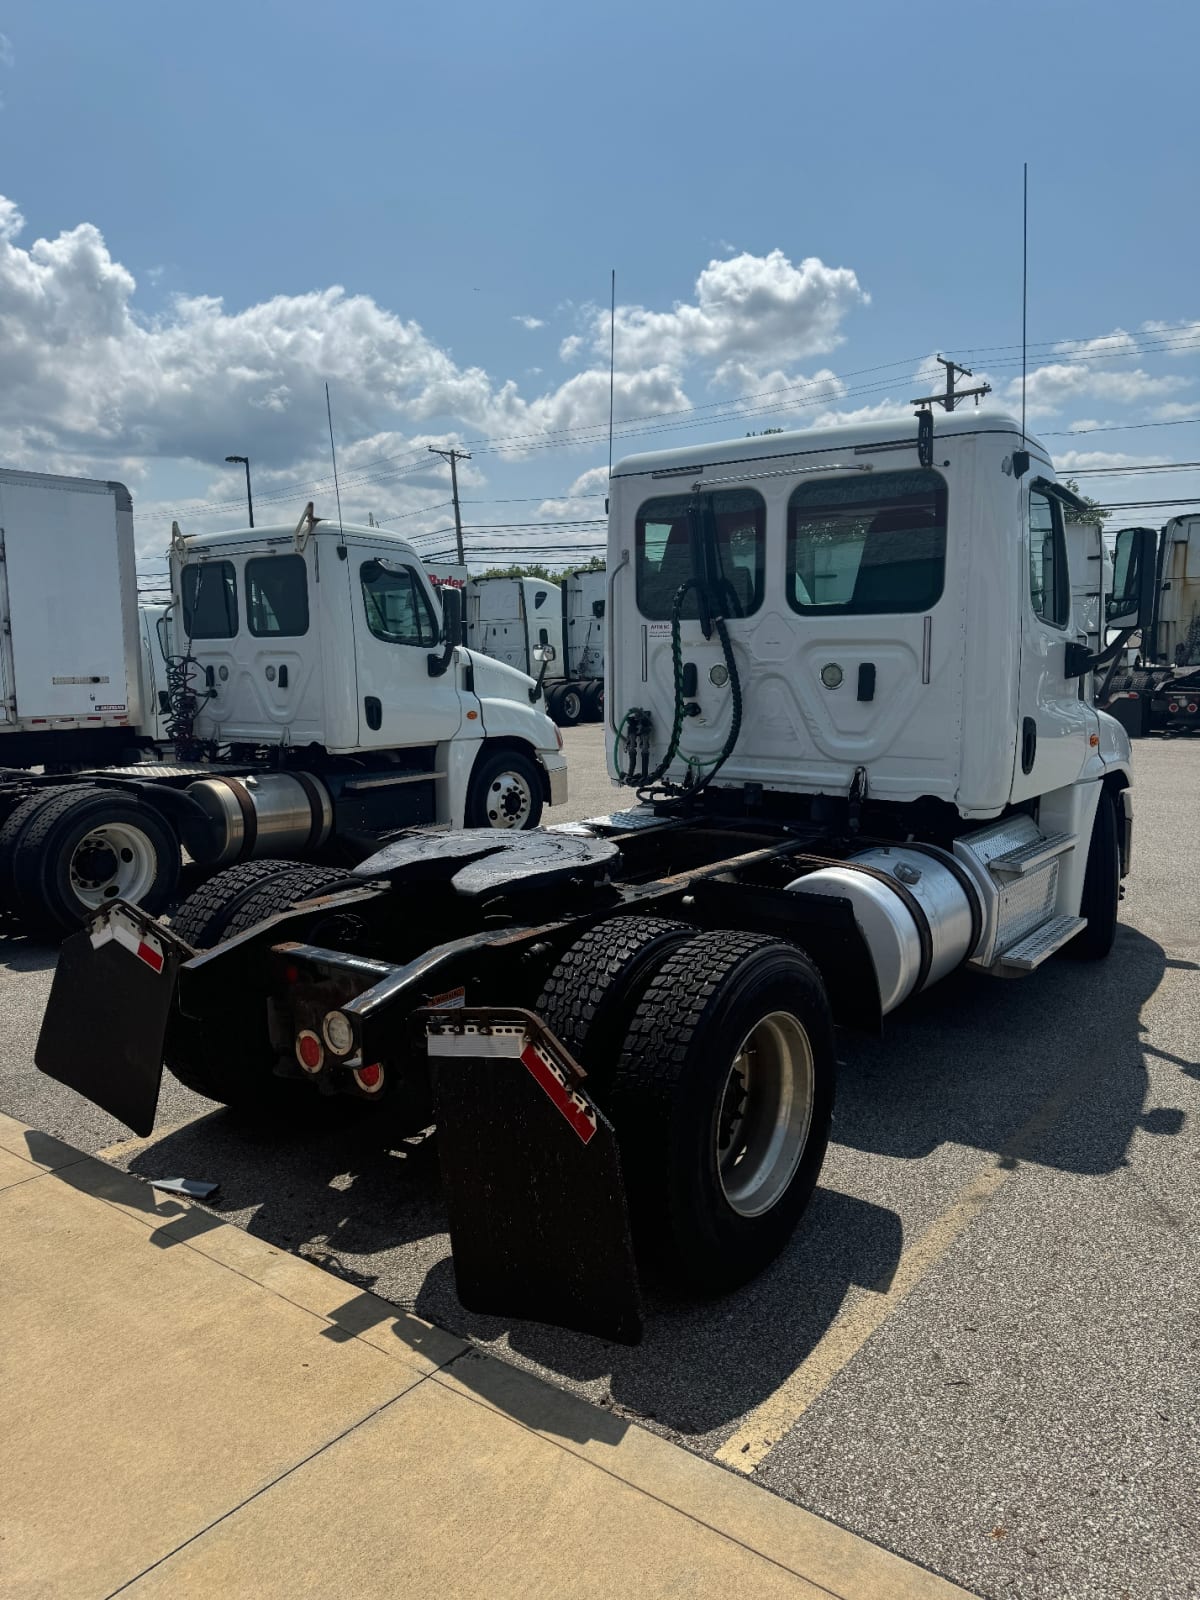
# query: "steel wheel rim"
[112,861]
[572,705]
[765,1114]
[509,801]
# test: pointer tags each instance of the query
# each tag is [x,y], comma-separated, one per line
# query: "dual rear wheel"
[712,1055]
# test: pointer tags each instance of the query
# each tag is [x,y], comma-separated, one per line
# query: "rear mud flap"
[110,1002]
[532,1177]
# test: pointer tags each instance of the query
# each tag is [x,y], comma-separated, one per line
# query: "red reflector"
[309,1051]
[1192,707]
[151,956]
[369,1076]
[292,974]
[1172,707]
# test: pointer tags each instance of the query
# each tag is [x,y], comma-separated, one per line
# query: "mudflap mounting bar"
[531,1173]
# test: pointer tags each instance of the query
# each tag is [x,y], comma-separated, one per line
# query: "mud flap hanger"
[531,1173]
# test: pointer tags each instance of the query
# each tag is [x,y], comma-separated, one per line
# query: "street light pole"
[245,462]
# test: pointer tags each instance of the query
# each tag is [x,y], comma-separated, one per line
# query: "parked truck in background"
[313,699]
[850,690]
[512,618]
[1159,691]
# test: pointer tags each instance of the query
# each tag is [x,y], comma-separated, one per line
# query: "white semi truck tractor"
[308,679]
[848,699]
[517,620]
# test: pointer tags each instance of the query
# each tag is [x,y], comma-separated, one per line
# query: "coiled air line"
[714,593]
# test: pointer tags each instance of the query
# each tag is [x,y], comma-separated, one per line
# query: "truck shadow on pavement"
[1048,1071]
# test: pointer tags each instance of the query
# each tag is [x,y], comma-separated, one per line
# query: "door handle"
[1028,745]
[373,712]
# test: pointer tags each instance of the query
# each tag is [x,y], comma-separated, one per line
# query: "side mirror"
[544,652]
[1131,603]
[451,630]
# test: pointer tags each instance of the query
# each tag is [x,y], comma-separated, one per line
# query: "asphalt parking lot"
[982,1349]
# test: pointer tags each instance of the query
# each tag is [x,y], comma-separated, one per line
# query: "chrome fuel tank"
[906,957]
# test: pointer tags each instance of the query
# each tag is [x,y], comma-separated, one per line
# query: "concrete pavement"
[188,1410]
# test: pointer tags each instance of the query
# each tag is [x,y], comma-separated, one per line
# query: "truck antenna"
[612,361]
[1024,284]
[336,490]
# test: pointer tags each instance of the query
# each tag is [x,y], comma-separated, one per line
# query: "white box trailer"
[69,627]
[584,603]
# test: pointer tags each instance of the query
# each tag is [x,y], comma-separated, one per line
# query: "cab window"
[210,608]
[869,545]
[277,597]
[397,607]
[1049,584]
[666,533]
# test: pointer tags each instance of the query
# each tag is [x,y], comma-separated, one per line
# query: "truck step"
[1029,857]
[1041,944]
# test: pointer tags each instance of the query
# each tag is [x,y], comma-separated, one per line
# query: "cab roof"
[825,441]
[284,534]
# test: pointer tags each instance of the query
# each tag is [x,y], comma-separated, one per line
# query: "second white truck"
[309,679]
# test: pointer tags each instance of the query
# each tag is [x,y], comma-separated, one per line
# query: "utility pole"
[950,399]
[454,457]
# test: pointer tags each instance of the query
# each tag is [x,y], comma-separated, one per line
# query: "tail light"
[310,1052]
[369,1078]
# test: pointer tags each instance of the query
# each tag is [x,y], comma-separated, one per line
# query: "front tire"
[1101,886]
[721,1102]
[505,791]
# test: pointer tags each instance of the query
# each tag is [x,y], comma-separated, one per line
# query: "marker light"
[339,1035]
[309,1051]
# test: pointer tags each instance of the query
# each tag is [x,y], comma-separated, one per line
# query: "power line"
[1123,472]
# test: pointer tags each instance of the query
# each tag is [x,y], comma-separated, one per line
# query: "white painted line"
[769,1422]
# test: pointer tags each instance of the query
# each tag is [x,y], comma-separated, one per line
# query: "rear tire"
[14,825]
[589,998]
[721,1103]
[593,703]
[1101,887]
[235,1064]
[567,705]
[86,847]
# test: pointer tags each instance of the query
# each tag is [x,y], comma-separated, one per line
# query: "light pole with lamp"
[245,462]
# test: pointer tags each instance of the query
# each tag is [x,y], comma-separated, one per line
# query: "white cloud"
[84,372]
[581,499]
[748,309]
[530,322]
[1175,410]
[570,347]
[1116,343]
[1077,460]
[1178,338]
[1051,387]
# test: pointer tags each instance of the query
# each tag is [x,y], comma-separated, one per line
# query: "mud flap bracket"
[532,1177]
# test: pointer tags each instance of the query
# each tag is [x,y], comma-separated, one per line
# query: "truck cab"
[900,621]
[330,637]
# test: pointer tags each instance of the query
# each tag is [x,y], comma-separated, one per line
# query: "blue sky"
[210,212]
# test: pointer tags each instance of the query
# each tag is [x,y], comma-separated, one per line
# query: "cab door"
[1055,722]
[396,628]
